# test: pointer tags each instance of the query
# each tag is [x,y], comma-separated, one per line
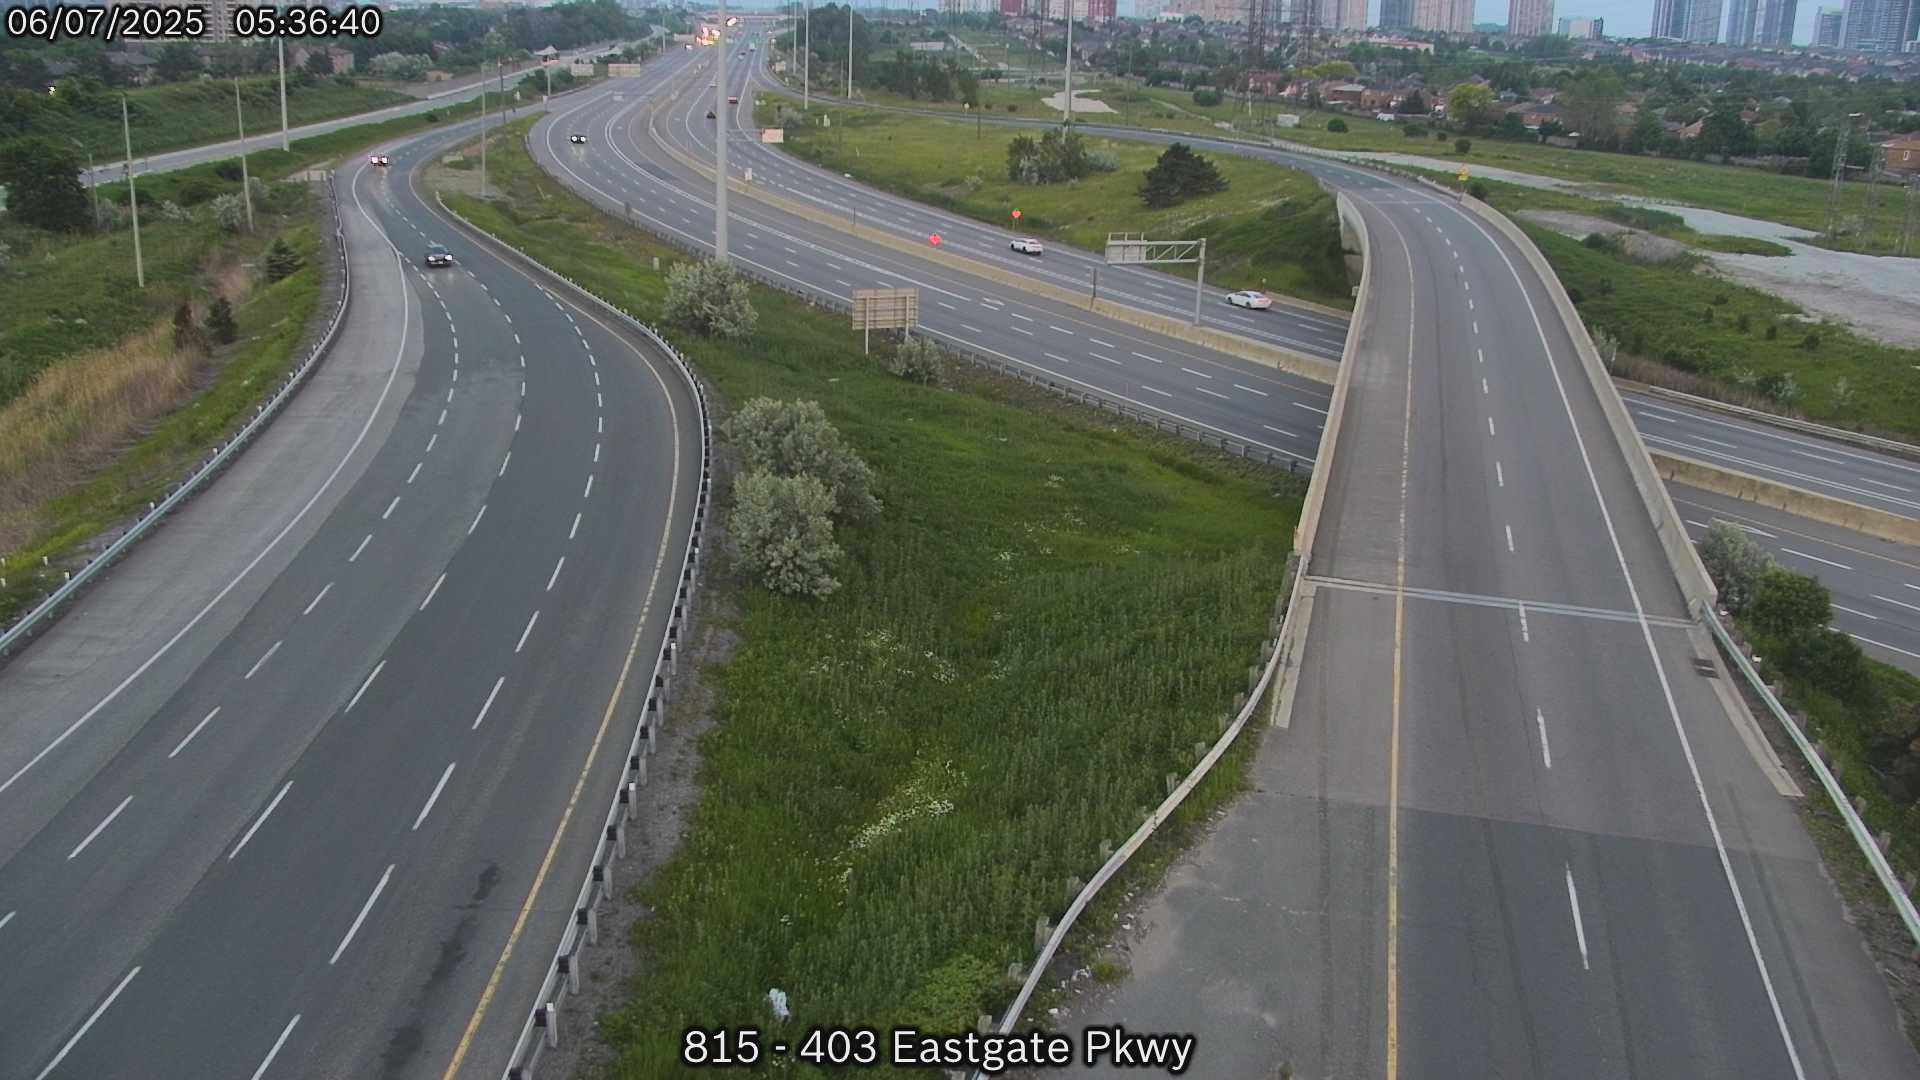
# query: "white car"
[577,140]
[1258,301]
[1027,245]
[377,159]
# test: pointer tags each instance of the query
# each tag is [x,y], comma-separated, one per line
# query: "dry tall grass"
[76,415]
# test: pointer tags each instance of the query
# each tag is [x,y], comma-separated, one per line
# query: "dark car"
[710,115]
[438,255]
[577,140]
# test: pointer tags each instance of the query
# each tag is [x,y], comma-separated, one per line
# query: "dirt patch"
[1644,246]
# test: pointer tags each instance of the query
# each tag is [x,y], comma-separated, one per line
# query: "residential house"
[1902,155]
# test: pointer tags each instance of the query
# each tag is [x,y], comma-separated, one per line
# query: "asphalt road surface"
[274,797]
[1511,830]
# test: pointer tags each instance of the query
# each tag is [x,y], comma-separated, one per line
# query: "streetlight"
[133,200]
[720,136]
[240,125]
[94,186]
[282,42]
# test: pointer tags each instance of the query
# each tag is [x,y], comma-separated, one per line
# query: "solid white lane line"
[195,731]
[571,533]
[1309,408]
[1251,390]
[390,506]
[1509,539]
[1816,558]
[1852,611]
[100,828]
[277,1044]
[503,463]
[1884,484]
[264,657]
[476,519]
[7,918]
[523,634]
[555,576]
[1579,928]
[431,593]
[261,820]
[1883,645]
[1500,474]
[362,917]
[431,799]
[1896,603]
[364,541]
[84,1028]
[589,490]
[1546,751]
[371,675]
[1202,374]
[488,704]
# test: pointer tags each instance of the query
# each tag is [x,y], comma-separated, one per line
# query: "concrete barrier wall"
[1807,427]
[1793,500]
[1220,340]
[1672,531]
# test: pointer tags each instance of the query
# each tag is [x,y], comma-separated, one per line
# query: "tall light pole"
[483,138]
[240,124]
[806,65]
[93,187]
[282,42]
[849,51]
[720,139]
[133,201]
[1069,118]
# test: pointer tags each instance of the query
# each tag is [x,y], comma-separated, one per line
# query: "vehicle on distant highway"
[733,99]
[1249,298]
[438,255]
[577,139]
[377,159]
[710,115]
[1027,245]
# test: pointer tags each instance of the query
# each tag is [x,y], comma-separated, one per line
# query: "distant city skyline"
[1625,18]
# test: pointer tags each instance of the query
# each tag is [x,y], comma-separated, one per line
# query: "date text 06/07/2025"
[188,21]
[905,1047]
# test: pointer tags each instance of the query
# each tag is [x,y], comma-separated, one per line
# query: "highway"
[1510,829]
[275,796]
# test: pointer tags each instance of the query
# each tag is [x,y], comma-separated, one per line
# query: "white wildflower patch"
[928,793]
[1055,480]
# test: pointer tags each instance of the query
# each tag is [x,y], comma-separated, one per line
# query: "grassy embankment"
[1681,327]
[98,412]
[176,115]
[1047,616]
[1273,228]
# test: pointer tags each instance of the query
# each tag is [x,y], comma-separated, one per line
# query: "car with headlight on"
[577,139]
[438,255]
[378,159]
[1027,245]
[1249,298]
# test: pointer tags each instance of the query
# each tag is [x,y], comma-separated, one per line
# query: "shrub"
[1829,660]
[1811,342]
[1012,107]
[220,324]
[919,359]
[228,170]
[1743,323]
[1206,97]
[1439,136]
[173,211]
[1706,313]
[187,335]
[1773,331]
[229,212]
[1054,157]
[1598,241]
[709,298]
[1785,603]
[1479,190]
[1337,126]
[282,260]
[1574,294]
[1463,146]
[1735,563]
[1413,131]
[1780,386]
[782,528]
[788,438]
[1180,174]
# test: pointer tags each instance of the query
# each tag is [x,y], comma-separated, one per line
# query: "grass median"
[1274,228]
[1048,615]
[183,114]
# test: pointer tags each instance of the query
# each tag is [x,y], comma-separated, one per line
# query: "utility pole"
[246,183]
[284,144]
[546,102]
[1906,232]
[806,65]
[133,201]
[483,139]
[720,140]
[1069,119]
[849,50]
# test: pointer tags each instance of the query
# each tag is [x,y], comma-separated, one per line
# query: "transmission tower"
[1261,24]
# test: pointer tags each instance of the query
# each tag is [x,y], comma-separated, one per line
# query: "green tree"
[1723,132]
[710,298]
[1470,103]
[42,178]
[784,534]
[1590,102]
[1647,134]
[1829,660]
[1413,104]
[791,438]
[220,323]
[1785,603]
[1735,563]
[1180,174]
[178,60]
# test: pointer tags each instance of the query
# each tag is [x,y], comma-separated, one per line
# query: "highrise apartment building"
[1443,16]
[1529,18]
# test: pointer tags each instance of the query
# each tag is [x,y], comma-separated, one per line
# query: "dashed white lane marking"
[390,508]
[1853,611]
[1060,329]
[93,1018]
[259,821]
[97,830]
[844,284]
[416,471]
[503,463]
[362,917]
[1482,354]
[1144,356]
[1476,326]
[1102,344]
[1103,356]
[1500,474]
[431,593]
[264,657]
[1017,330]
[434,797]
[476,519]
[431,441]
[317,597]
[1579,928]
[196,730]
[1525,635]
[488,704]
[555,576]
[1280,431]
[1156,390]
[1056,357]
[1019,316]
[1214,393]
[596,453]
[529,630]
[1490,425]
[364,541]
[969,329]
[1546,751]
[1816,558]
[277,1044]
[1509,539]
[1895,603]
[443,418]
[371,675]
[1250,390]
[516,421]
[1309,408]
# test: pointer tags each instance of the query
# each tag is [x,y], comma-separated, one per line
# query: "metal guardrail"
[541,1030]
[48,609]
[1857,828]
